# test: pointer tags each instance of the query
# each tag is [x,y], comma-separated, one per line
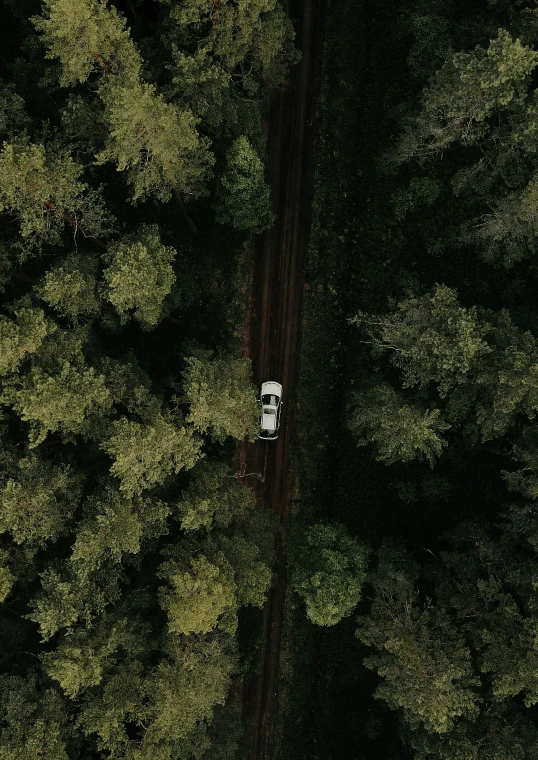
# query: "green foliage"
[20,338]
[120,700]
[221,396]
[184,694]
[37,505]
[42,189]
[88,37]
[431,338]
[35,724]
[207,588]
[244,197]
[155,142]
[71,288]
[251,574]
[145,454]
[115,526]
[214,498]
[62,402]
[328,572]
[169,706]
[421,656]
[83,657]
[140,275]
[68,597]
[201,598]
[499,733]
[399,431]
[241,32]
[7,578]
[465,92]
[13,115]
[201,82]
[481,361]
[83,390]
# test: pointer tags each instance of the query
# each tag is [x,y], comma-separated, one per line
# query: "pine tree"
[155,142]
[214,498]
[42,188]
[222,399]
[328,572]
[38,503]
[421,656]
[243,197]
[145,454]
[399,431]
[89,37]
[465,92]
[139,275]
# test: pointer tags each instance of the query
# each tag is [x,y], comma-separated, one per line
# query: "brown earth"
[274,327]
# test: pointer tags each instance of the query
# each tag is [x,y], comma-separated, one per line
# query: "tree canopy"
[127,546]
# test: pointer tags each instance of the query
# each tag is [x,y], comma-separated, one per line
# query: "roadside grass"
[326,709]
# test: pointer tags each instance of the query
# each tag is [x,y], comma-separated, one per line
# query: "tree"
[214,498]
[495,580]
[88,37]
[42,189]
[72,594]
[38,504]
[13,116]
[184,693]
[139,275]
[20,338]
[71,288]
[400,432]
[501,731]
[201,597]
[243,195]
[82,658]
[155,142]
[252,576]
[508,383]
[240,33]
[508,232]
[35,722]
[525,453]
[145,454]
[200,83]
[467,89]
[431,338]
[328,572]
[114,526]
[7,578]
[421,655]
[63,401]
[478,359]
[119,700]
[222,399]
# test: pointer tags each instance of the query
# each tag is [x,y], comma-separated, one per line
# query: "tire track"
[275,326]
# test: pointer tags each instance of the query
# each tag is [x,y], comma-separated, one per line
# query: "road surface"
[274,328]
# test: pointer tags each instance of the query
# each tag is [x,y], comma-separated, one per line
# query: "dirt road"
[275,326]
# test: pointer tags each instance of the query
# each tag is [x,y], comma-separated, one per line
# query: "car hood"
[271,389]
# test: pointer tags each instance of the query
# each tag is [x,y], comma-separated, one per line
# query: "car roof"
[268,422]
[271,388]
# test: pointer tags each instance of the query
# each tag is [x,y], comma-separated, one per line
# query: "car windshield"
[270,400]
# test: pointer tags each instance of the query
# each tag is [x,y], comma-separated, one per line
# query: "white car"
[271,404]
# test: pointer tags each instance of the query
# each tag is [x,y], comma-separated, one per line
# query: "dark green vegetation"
[420,345]
[128,549]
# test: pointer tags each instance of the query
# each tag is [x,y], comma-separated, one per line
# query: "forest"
[132,181]
[414,554]
[134,557]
